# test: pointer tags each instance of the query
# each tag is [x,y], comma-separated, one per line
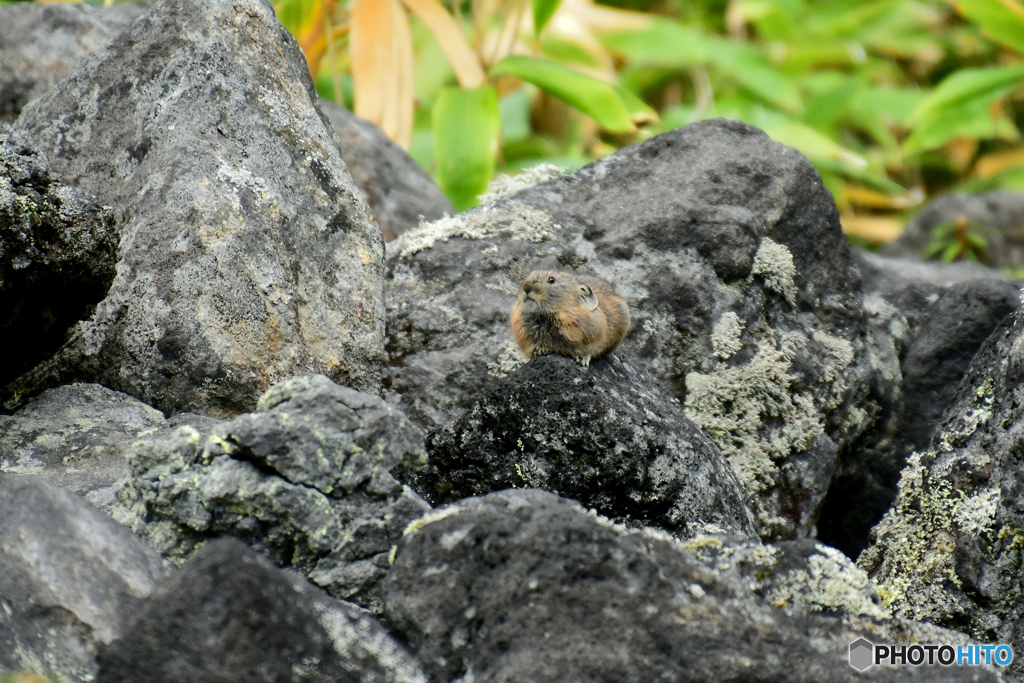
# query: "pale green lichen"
[756,418]
[505,185]
[919,536]
[774,263]
[509,360]
[430,518]
[725,337]
[519,222]
[829,582]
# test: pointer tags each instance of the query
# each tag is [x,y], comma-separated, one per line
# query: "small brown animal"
[571,315]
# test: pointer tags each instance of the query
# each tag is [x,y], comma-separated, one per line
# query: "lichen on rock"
[306,479]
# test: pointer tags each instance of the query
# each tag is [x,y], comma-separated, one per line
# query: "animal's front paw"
[584,361]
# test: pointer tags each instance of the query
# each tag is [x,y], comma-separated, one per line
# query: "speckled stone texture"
[746,303]
[230,615]
[78,436]
[606,435]
[949,551]
[521,585]
[247,253]
[399,192]
[934,317]
[69,575]
[305,479]
[43,43]
[58,249]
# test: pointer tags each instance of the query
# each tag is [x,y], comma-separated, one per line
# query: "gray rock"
[69,575]
[43,43]
[230,615]
[247,253]
[606,435]
[728,249]
[524,586]
[306,480]
[399,192]
[944,313]
[1000,213]
[949,550]
[58,248]
[78,436]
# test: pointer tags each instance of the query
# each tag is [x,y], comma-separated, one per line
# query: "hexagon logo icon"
[862,654]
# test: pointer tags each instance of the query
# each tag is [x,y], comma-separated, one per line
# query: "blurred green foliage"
[893,101]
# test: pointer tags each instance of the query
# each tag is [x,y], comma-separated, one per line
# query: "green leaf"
[637,110]
[971,119]
[466,125]
[951,252]
[665,44]
[999,21]
[543,10]
[970,84]
[591,96]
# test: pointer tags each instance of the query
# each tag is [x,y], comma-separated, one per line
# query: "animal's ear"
[588,298]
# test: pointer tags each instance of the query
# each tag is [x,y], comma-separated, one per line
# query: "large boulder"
[999,215]
[42,43]
[399,192]
[521,585]
[247,253]
[305,479]
[230,615]
[58,249]
[949,550]
[69,576]
[936,317]
[606,435]
[78,436]
[746,303]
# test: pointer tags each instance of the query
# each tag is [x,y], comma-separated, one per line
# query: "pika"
[570,315]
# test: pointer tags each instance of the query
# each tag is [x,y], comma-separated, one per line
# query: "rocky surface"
[523,586]
[606,435]
[949,551]
[998,215]
[247,253]
[70,575]
[935,317]
[399,192]
[43,43]
[58,249]
[78,436]
[305,479]
[228,614]
[746,303]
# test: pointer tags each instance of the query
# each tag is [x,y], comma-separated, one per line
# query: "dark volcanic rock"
[247,253]
[728,249]
[43,43]
[58,248]
[944,313]
[306,479]
[78,436]
[606,435]
[949,551]
[523,586]
[69,575]
[229,615]
[399,192]
[1000,215]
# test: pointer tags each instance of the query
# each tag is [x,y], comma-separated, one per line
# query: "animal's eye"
[551,280]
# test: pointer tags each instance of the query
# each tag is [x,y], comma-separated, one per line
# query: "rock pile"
[232,406]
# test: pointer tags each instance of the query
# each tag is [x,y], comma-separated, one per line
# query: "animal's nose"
[527,287]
